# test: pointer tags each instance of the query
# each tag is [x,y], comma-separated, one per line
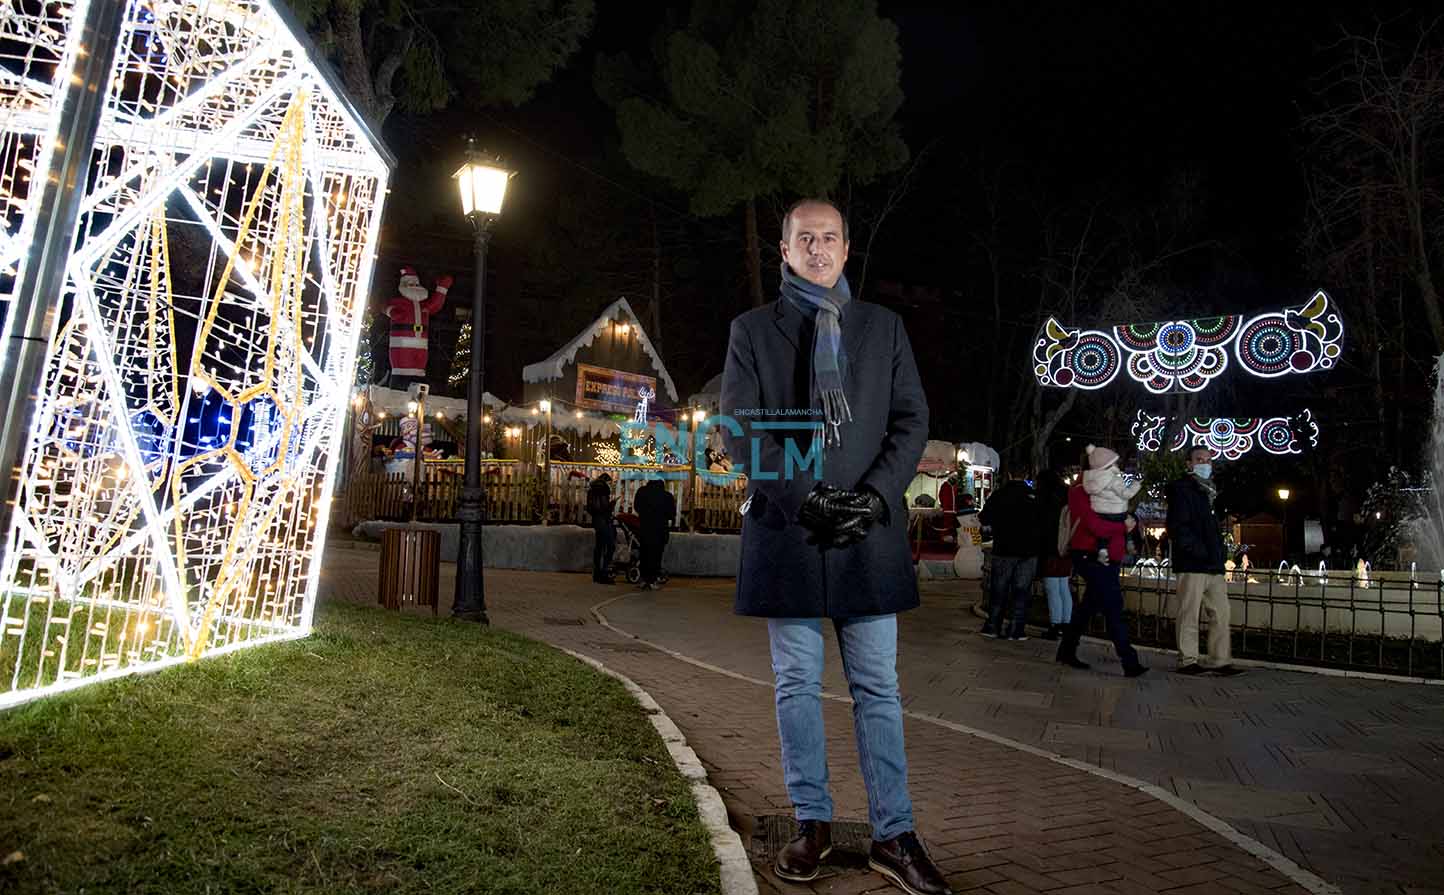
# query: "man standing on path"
[828,540]
[656,507]
[1013,515]
[1198,559]
[599,505]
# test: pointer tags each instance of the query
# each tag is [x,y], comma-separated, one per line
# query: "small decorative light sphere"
[579,414]
[440,415]
[410,406]
[544,406]
[699,415]
[1378,514]
[486,417]
[1284,493]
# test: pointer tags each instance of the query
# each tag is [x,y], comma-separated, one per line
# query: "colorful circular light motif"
[1276,436]
[1266,346]
[1095,361]
[1175,338]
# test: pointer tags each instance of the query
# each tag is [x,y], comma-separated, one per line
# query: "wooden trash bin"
[410,567]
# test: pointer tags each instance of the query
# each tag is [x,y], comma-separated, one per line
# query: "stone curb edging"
[1284,865]
[980,612]
[732,860]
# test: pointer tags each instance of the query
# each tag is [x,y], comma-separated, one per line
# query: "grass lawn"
[383,754]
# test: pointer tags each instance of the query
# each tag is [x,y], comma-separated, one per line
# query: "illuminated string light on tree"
[177,476]
[1186,355]
[1231,437]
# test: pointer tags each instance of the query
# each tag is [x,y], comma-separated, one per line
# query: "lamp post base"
[470,602]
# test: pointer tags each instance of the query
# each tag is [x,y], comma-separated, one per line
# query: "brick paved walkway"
[1343,776]
[999,820]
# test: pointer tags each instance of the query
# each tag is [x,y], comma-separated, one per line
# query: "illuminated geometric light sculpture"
[1186,355]
[177,473]
[1231,437]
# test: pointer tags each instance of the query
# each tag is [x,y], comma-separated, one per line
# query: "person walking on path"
[1198,559]
[599,505]
[1055,564]
[1014,515]
[828,541]
[1103,592]
[656,507]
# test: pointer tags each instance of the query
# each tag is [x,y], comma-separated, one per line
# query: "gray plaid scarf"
[828,360]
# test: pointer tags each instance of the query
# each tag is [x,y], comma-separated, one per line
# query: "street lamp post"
[695,477]
[418,413]
[1284,498]
[482,182]
[546,407]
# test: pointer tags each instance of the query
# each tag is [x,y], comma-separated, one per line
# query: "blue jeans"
[869,659]
[1060,600]
[1012,577]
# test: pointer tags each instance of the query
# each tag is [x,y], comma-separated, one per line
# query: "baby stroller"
[627,560]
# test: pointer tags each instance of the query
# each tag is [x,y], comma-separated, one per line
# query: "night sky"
[1090,99]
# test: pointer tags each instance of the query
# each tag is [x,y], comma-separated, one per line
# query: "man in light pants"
[1198,559]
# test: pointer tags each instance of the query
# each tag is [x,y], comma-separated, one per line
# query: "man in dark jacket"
[1013,515]
[1198,560]
[599,505]
[656,507]
[821,381]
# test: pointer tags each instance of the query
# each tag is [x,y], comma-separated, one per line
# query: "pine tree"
[461,359]
[756,99]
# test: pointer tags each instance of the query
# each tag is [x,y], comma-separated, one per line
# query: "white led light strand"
[177,479]
[1186,355]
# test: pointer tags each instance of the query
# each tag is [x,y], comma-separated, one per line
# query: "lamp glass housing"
[482,186]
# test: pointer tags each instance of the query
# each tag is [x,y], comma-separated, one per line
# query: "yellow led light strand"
[290,135]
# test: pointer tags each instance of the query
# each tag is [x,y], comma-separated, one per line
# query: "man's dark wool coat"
[767,379]
[1193,529]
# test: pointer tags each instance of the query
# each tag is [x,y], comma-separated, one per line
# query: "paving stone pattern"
[998,820]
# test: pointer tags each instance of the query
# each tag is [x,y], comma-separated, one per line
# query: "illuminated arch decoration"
[1229,437]
[1298,340]
[1186,355]
[177,476]
[1075,359]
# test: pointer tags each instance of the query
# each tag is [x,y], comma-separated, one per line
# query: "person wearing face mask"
[1198,559]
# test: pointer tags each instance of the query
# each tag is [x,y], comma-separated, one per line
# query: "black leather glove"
[839,518]
[870,509]
[824,509]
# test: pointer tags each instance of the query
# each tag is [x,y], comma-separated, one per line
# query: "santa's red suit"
[410,312]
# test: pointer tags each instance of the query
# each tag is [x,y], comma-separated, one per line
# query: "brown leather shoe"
[798,860]
[906,864]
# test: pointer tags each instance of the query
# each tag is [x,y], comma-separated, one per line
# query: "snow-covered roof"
[710,394]
[980,454]
[554,367]
[395,402]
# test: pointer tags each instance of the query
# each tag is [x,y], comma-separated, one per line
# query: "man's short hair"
[787,216]
[1207,453]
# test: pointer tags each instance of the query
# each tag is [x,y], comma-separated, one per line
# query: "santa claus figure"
[410,313]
